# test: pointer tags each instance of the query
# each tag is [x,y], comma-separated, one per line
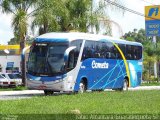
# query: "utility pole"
[155,62]
[92,16]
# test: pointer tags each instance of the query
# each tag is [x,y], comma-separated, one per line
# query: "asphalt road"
[25,94]
[9,95]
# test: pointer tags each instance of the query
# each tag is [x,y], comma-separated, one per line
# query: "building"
[10,58]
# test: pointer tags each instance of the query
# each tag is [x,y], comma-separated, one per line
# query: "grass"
[151,84]
[13,88]
[131,102]
[68,106]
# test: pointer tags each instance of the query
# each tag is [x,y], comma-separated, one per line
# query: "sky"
[130,21]
[127,22]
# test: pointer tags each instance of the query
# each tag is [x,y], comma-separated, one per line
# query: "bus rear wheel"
[48,92]
[125,85]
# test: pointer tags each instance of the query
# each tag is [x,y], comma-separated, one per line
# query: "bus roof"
[62,37]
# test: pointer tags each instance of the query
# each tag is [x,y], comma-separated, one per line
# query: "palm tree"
[66,15]
[49,15]
[88,14]
[19,9]
[55,15]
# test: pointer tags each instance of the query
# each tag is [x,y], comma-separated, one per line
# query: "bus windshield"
[46,59]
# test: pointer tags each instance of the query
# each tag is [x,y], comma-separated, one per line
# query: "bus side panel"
[101,73]
[135,67]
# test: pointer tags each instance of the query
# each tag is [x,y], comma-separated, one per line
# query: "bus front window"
[56,58]
[46,59]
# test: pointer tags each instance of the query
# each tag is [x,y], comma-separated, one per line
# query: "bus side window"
[87,53]
[71,61]
[137,52]
[128,52]
[108,55]
[118,55]
[97,50]
[78,44]
[122,48]
[89,50]
[129,56]
[97,55]
[113,52]
[133,52]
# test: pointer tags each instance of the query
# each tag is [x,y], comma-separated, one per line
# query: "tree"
[56,15]
[90,14]
[138,36]
[48,15]
[66,15]
[19,9]
[15,40]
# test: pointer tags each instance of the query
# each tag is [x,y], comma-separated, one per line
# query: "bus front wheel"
[82,86]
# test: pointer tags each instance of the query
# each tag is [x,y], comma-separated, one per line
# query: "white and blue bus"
[71,62]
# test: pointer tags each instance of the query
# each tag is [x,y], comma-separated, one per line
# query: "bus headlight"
[30,79]
[70,79]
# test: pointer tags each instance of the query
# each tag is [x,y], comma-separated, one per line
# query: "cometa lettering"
[96,65]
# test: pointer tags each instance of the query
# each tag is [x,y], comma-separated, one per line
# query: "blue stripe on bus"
[99,77]
[121,73]
[118,76]
[108,78]
[110,74]
[50,40]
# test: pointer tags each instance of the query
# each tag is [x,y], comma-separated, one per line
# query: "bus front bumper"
[58,85]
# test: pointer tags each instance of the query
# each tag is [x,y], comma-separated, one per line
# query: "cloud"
[127,22]
[6,32]
[130,21]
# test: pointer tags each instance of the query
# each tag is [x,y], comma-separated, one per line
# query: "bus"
[76,62]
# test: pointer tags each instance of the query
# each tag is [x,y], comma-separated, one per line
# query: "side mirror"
[67,55]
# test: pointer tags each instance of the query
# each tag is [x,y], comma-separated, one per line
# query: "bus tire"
[82,86]
[125,85]
[48,92]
